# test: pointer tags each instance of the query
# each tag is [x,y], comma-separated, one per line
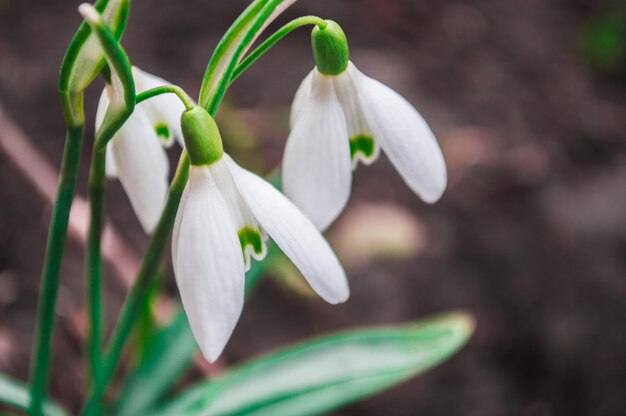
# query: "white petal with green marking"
[163,110]
[294,233]
[363,146]
[135,156]
[370,117]
[141,164]
[218,227]
[404,136]
[251,237]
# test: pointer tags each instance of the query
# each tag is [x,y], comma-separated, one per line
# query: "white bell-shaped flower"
[135,154]
[340,117]
[222,221]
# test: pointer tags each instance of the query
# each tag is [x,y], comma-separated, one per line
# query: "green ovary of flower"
[202,137]
[363,144]
[330,48]
[250,237]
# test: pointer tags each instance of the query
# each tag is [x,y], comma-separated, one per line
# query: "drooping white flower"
[135,155]
[342,117]
[222,221]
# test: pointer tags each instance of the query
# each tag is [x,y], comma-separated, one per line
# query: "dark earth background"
[528,99]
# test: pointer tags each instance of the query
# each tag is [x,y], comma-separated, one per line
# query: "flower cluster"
[340,117]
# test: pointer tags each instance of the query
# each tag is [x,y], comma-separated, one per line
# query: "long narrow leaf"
[324,374]
[15,394]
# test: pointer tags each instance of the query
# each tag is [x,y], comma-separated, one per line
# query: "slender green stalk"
[77,72]
[165,89]
[275,38]
[93,261]
[132,306]
[248,37]
[55,246]
[120,75]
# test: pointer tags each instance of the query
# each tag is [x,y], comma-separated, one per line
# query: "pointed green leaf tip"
[330,48]
[202,137]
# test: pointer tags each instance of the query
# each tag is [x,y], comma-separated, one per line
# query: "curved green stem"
[245,40]
[165,89]
[275,38]
[122,84]
[132,306]
[93,259]
[93,255]
[71,87]
[55,246]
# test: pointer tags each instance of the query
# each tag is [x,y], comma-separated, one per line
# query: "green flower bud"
[330,48]
[202,137]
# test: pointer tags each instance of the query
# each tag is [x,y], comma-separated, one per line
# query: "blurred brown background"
[527,98]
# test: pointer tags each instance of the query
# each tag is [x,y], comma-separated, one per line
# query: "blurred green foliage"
[603,40]
[15,394]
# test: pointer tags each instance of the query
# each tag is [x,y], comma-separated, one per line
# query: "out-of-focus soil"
[530,235]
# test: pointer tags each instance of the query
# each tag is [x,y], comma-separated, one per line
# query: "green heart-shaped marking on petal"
[363,144]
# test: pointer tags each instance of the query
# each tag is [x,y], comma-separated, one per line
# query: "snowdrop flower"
[222,221]
[135,155]
[341,117]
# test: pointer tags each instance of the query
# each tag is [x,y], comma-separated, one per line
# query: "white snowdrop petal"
[316,169]
[406,138]
[251,237]
[103,105]
[163,110]
[363,146]
[295,234]
[142,167]
[110,167]
[301,98]
[209,266]
[176,229]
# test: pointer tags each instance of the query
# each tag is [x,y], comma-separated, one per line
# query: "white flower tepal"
[164,110]
[341,117]
[135,154]
[221,223]
[340,120]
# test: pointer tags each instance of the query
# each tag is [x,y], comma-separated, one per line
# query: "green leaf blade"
[15,394]
[327,373]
